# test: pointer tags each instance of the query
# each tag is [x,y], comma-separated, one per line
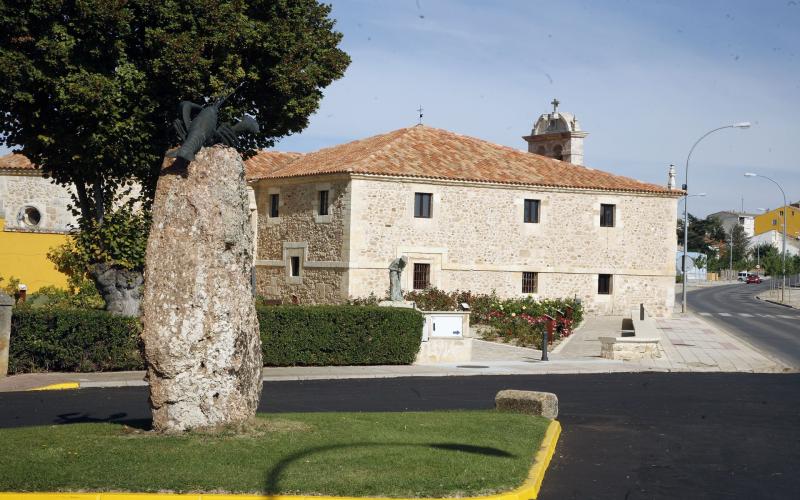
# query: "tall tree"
[89,89]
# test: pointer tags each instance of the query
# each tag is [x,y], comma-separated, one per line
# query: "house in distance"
[468,214]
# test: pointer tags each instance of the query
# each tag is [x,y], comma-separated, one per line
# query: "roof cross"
[555,104]
[420,110]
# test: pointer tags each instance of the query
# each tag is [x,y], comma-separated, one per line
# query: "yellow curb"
[58,387]
[528,491]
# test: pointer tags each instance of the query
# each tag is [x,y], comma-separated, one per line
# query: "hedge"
[72,340]
[339,335]
[83,340]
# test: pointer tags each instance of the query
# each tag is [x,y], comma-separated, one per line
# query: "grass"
[414,454]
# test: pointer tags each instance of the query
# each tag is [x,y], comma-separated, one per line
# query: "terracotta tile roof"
[266,162]
[16,161]
[433,153]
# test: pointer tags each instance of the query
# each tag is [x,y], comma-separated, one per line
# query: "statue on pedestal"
[395,271]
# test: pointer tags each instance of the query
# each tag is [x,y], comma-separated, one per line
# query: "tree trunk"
[201,337]
[120,288]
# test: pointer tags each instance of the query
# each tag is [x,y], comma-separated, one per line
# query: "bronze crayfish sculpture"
[202,130]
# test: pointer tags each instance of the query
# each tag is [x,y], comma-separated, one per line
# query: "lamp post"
[686,202]
[783,209]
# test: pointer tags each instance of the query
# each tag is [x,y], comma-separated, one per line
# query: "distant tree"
[89,89]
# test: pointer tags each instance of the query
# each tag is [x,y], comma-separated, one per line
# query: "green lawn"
[452,453]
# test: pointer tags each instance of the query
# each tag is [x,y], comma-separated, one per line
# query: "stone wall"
[476,239]
[319,241]
[22,189]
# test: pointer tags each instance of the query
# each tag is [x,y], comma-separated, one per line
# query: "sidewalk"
[690,345]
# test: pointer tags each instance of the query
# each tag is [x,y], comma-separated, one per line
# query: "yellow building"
[773,220]
[23,255]
[34,217]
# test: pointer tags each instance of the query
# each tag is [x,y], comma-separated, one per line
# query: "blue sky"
[645,79]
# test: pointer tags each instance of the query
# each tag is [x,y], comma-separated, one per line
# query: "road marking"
[705,314]
[786,316]
[746,315]
[727,315]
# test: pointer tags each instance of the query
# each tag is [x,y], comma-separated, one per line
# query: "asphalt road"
[771,328]
[633,436]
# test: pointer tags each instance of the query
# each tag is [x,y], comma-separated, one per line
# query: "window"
[422,205]
[530,282]
[558,153]
[294,264]
[607,215]
[422,276]
[532,211]
[604,283]
[274,201]
[774,222]
[30,216]
[323,203]
[780,213]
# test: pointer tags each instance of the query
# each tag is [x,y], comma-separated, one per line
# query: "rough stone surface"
[530,402]
[29,189]
[630,348]
[121,288]
[200,332]
[6,305]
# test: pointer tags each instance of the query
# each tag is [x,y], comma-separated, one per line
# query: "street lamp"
[686,202]
[783,209]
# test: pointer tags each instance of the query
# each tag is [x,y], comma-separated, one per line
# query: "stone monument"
[395,270]
[201,336]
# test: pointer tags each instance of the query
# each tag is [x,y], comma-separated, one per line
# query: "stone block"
[530,402]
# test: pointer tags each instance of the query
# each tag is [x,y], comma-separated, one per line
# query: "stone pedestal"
[200,334]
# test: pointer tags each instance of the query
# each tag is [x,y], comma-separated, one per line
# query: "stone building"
[34,217]
[468,214]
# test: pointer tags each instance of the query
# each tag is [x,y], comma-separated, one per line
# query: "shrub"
[433,299]
[339,335]
[78,340]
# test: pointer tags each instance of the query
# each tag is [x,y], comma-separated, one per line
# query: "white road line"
[785,316]
[706,314]
[745,315]
[725,314]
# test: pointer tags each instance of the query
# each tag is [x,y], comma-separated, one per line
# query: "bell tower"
[557,135]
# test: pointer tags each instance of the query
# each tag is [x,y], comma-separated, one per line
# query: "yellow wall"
[763,223]
[24,256]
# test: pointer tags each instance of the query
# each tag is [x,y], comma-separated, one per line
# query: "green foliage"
[71,260]
[89,90]
[51,296]
[524,320]
[369,300]
[11,286]
[339,335]
[72,340]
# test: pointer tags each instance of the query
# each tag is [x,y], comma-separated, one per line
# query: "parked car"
[754,278]
[743,276]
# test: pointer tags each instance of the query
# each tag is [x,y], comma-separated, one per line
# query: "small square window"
[294,264]
[530,282]
[607,215]
[422,276]
[422,205]
[774,222]
[532,211]
[323,203]
[604,284]
[274,202]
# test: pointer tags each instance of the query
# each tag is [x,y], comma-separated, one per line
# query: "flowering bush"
[521,320]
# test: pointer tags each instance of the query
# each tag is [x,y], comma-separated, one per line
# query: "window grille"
[607,215]
[530,282]
[274,201]
[422,276]
[422,205]
[323,202]
[604,284]
[532,211]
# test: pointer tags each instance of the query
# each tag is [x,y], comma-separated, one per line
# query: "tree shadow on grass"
[144,424]
[272,486]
